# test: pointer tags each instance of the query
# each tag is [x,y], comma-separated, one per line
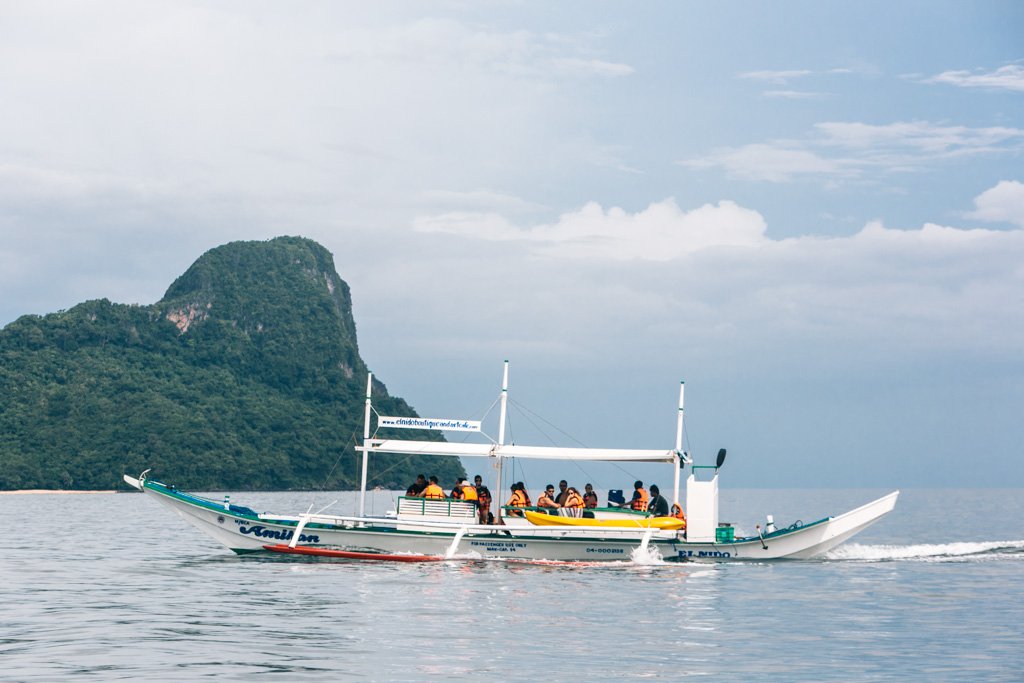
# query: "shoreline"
[58,491]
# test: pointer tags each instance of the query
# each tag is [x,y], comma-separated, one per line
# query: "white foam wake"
[649,555]
[925,551]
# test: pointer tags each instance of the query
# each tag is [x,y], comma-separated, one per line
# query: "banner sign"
[429,423]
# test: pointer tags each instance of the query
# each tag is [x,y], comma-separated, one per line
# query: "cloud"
[710,284]
[794,95]
[847,150]
[1003,203]
[774,162]
[479,200]
[442,42]
[783,77]
[660,232]
[923,137]
[1009,77]
[780,77]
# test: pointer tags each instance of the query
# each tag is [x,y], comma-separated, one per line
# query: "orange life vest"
[469,492]
[677,512]
[573,500]
[519,499]
[640,502]
[433,491]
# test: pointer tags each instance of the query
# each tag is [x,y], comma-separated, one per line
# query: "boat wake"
[646,556]
[939,552]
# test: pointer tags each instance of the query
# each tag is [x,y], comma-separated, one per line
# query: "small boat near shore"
[449,529]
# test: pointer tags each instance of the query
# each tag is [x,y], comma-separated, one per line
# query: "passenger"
[573,503]
[433,489]
[640,497]
[483,500]
[457,489]
[523,492]
[519,499]
[563,492]
[658,505]
[469,493]
[417,486]
[589,497]
[546,500]
[677,512]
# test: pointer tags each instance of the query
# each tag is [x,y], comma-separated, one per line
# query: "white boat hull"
[243,530]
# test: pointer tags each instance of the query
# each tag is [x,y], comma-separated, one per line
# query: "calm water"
[108,587]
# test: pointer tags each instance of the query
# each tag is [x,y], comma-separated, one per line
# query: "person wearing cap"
[658,505]
[547,499]
[468,492]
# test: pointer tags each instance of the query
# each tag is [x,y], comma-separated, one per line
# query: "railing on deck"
[410,506]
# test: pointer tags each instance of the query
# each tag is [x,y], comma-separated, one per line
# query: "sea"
[117,587]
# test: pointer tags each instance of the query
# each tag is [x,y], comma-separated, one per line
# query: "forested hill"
[246,375]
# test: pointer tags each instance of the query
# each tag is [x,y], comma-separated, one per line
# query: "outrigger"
[429,530]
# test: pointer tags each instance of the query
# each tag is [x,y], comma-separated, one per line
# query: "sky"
[813,213]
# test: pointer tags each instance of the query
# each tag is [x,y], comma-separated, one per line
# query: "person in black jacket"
[658,505]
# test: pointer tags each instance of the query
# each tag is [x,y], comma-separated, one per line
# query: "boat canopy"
[398,446]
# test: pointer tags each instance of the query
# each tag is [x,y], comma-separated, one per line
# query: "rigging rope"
[527,412]
[351,439]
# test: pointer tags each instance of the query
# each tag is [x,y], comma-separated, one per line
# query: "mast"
[499,493]
[679,443]
[366,436]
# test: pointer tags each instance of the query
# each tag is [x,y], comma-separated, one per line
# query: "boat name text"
[264,532]
[703,553]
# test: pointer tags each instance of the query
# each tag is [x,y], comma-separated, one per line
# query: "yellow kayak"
[541,519]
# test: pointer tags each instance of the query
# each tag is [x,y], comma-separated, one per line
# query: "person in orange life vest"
[563,492]
[433,489]
[677,512]
[519,499]
[524,493]
[573,503]
[589,497]
[546,500]
[658,506]
[457,489]
[640,497]
[468,491]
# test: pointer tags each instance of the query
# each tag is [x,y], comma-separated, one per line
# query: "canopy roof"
[512,451]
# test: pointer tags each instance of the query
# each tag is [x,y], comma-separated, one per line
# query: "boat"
[637,522]
[449,529]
